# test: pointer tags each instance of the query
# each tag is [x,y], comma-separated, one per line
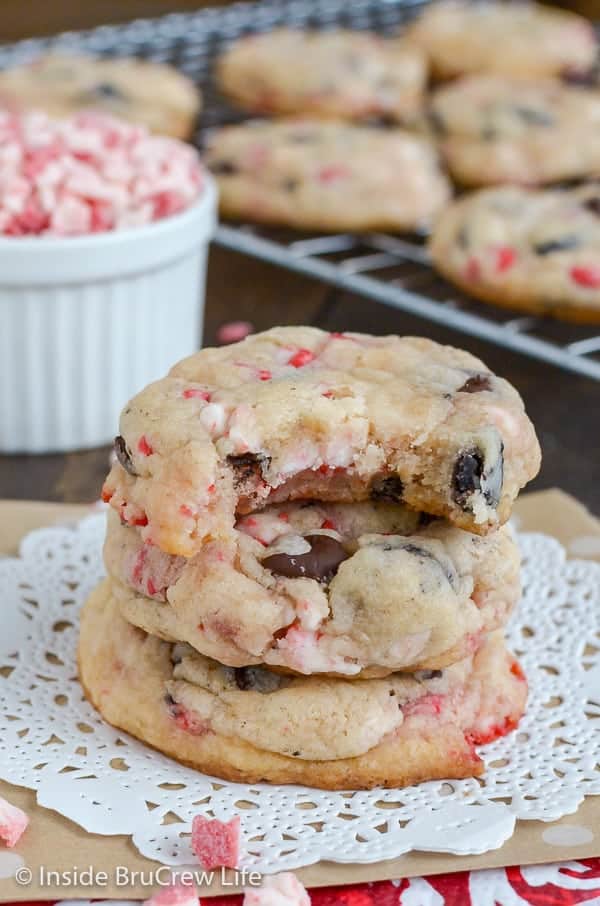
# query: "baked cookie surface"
[312,174]
[534,251]
[347,589]
[252,725]
[344,74]
[496,129]
[151,94]
[516,39]
[298,413]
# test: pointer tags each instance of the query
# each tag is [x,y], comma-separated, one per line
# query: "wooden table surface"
[565,408]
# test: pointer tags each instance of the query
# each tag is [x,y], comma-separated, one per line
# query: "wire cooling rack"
[391,270]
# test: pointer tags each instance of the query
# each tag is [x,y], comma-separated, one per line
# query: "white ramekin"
[87,321]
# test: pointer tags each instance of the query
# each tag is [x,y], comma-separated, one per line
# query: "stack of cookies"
[308,569]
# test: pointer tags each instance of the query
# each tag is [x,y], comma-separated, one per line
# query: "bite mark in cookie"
[296,413]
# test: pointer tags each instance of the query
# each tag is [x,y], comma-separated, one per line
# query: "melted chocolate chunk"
[321,562]
[534,117]
[593,205]
[124,456]
[247,466]
[426,519]
[462,238]
[470,475]
[585,78]
[244,678]
[437,123]
[476,384]
[389,489]
[562,244]
[257,679]
[171,704]
[489,134]
[428,674]
[223,168]
[466,479]
[107,91]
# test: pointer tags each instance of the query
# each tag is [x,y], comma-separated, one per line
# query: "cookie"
[298,413]
[534,251]
[150,94]
[341,74]
[515,39]
[346,589]
[252,725]
[495,129]
[311,174]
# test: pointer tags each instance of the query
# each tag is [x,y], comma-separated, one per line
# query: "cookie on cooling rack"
[312,174]
[534,251]
[347,589]
[344,74]
[514,39]
[252,725]
[151,94]
[297,413]
[495,129]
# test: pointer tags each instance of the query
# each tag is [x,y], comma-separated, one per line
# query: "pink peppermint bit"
[176,894]
[89,173]
[13,822]
[586,275]
[473,269]
[144,446]
[301,357]
[333,172]
[234,331]
[505,258]
[277,890]
[216,843]
[196,393]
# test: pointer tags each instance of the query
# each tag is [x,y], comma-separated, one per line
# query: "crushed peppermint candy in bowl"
[89,174]
[104,230]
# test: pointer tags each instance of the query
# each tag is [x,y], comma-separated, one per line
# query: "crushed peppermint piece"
[505,258]
[176,894]
[144,447]
[13,822]
[90,173]
[216,843]
[233,332]
[301,358]
[277,890]
[586,275]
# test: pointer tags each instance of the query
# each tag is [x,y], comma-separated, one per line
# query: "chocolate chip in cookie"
[534,117]
[124,456]
[388,489]
[561,244]
[321,562]
[593,205]
[247,466]
[223,168]
[471,475]
[106,91]
[478,383]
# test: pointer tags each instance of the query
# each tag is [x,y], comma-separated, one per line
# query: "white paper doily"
[53,741]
